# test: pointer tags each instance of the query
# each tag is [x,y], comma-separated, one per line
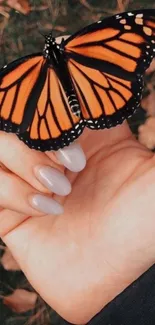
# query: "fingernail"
[46,205]
[54,180]
[72,157]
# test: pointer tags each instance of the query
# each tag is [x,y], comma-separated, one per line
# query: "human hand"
[82,259]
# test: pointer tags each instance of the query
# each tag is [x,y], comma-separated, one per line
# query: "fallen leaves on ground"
[8,261]
[21,300]
[148,103]
[22,6]
[151,67]
[147,133]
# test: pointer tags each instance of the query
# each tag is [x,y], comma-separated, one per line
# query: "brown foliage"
[21,300]
[8,261]
[22,6]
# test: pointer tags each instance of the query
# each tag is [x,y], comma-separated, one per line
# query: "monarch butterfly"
[93,79]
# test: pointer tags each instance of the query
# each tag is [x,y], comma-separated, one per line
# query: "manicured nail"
[72,157]
[46,205]
[54,180]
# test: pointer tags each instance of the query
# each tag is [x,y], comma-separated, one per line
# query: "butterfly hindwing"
[53,125]
[105,100]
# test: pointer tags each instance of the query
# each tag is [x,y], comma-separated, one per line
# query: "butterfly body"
[93,79]
[55,56]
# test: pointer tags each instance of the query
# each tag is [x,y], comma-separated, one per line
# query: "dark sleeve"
[134,306]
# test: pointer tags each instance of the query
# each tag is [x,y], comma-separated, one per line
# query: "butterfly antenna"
[54,9]
[40,31]
[42,34]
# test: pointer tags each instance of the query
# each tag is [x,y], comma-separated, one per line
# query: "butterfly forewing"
[121,45]
[17,82]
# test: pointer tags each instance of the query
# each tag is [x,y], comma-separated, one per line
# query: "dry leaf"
[151,67]
[122,5]
[8,261]
[147,133]
[21,300]
[4,11]
[148,103]
[86,4]
[22,6]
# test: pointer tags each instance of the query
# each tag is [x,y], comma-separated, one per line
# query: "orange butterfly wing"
[106,61]
[17,81]
[121,45]
[33,104]
[105,100]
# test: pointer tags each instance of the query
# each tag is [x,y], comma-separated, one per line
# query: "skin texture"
[82,259]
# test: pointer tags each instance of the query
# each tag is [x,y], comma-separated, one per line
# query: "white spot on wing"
[130,14]
[139,15]
[118,17]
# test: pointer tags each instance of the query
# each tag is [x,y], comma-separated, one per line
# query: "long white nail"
[46,205]
[72,157]
[52,179]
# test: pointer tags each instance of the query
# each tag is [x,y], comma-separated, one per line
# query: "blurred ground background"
[21,22]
